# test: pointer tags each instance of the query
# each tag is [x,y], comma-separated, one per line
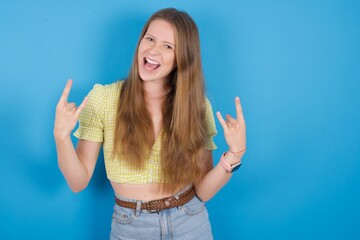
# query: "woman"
[157,130]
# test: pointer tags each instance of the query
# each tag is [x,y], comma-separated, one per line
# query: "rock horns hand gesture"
[234,129]
[67,114]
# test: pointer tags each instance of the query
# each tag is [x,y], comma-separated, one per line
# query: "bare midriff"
[142,192]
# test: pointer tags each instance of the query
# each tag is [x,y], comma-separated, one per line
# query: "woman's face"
[156,53]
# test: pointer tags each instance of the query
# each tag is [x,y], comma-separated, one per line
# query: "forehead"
[162,30]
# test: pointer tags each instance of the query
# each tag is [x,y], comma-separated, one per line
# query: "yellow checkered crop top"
[97,123]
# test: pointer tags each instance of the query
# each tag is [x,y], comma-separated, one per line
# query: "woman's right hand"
[67,114]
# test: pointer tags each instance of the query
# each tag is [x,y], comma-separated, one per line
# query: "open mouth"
[150,64]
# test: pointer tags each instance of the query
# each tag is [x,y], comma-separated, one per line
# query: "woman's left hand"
[234,129]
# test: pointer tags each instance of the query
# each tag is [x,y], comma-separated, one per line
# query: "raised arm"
[78,165]
[235,136]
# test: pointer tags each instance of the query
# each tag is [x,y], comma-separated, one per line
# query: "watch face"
[236,168]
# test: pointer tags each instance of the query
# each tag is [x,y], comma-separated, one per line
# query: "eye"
[150,39]
[167,46]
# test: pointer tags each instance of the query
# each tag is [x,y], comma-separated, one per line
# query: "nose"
[155,49]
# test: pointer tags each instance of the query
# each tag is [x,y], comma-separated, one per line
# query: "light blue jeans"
[187,222]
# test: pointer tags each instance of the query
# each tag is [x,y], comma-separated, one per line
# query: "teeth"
[152,61]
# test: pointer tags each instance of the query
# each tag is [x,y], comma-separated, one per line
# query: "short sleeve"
[91,120]
[210,126]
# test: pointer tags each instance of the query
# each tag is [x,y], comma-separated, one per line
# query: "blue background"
[295,65]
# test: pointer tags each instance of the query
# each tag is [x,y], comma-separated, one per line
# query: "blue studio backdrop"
[295,65]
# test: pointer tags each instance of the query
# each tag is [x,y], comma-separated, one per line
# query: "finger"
[239,112]
[81,107]
[231,120]
[66,91]
[222,121]
[70,106]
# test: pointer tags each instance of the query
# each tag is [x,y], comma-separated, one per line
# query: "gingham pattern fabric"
[97,123]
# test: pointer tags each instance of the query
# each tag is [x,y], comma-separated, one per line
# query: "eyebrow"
[163,41]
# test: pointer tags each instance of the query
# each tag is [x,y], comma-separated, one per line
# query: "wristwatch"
[227,166]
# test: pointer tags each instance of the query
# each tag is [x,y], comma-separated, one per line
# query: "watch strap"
[226,165]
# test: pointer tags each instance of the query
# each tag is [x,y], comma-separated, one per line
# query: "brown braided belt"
[160,204]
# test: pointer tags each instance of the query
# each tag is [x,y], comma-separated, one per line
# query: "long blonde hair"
[183,124]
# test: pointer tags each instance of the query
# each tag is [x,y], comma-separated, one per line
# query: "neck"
[155,90]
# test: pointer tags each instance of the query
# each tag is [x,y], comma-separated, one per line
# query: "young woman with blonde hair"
[156,129]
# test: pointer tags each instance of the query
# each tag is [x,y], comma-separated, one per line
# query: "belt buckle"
[159,201]
[149,206]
